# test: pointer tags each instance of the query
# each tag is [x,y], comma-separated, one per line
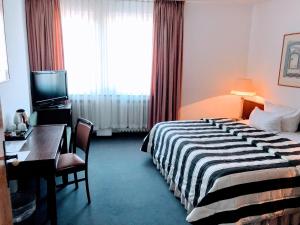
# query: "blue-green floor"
[126,189]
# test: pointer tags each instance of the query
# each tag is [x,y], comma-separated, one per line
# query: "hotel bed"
[294,136]
[226,172]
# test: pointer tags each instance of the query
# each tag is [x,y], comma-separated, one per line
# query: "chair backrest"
[83,133]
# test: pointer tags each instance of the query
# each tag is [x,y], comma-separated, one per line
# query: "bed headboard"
[248,107]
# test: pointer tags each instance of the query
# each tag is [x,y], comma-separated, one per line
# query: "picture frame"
[289,72]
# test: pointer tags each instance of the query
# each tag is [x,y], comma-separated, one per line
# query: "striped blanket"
[226,172]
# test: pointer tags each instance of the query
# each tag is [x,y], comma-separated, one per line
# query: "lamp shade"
[243,87]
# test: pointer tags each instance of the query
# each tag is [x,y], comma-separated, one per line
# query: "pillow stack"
[290,116]
[265,120]
[275,118]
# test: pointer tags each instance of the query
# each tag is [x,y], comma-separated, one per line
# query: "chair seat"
[69,161]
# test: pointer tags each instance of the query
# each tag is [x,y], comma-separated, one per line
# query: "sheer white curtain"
[3,56]
[108,57]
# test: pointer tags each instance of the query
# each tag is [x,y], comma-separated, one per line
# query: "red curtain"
[44,35]
[167,61]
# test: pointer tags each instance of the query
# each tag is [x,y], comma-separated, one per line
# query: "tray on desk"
[19,135]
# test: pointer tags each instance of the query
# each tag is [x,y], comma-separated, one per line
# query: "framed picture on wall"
[289,73]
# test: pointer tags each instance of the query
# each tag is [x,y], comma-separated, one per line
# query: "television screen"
[48,86]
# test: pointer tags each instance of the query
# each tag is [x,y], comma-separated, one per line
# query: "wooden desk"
[45,143]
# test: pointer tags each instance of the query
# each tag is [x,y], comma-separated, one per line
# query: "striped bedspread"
[225,172]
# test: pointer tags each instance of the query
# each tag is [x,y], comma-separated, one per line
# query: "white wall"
[271,20]
[216,41]
[216,51]
[15,92]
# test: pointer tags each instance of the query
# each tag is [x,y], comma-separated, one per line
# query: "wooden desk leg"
[51,199]
[65,150]
[38,189]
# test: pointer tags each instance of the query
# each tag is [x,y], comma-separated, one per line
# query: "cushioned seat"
[69,161]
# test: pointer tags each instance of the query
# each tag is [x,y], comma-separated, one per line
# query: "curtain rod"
[165,0]
[200,1]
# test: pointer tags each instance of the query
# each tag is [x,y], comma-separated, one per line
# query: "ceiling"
[226,1]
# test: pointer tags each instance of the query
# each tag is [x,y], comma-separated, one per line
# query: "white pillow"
[265,120]
[271,107]
[290,116]
[290,122]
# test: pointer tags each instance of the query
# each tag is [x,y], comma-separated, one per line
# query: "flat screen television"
[48,88]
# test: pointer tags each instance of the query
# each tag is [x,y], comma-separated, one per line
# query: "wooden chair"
[70,162]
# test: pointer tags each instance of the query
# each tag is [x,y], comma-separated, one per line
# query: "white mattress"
[292,136]
[244,121]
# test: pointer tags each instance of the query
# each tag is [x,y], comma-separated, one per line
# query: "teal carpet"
[126,189]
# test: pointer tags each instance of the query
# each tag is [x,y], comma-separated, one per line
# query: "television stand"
[51,106]
[54,114]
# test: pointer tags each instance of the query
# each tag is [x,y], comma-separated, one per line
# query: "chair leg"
[87,187]
[76,180]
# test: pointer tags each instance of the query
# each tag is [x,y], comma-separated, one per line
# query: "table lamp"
[243,87]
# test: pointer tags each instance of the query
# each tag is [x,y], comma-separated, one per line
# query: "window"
[107,46]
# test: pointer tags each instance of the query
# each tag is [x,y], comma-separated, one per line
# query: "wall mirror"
[4,76]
